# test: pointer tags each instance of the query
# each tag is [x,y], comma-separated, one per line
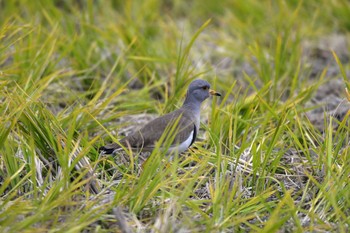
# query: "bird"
[186,120]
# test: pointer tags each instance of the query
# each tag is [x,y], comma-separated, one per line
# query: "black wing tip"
[105,150]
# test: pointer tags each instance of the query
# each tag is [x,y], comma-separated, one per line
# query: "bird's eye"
[205,88]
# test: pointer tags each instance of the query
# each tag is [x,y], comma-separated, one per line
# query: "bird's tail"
[109,149]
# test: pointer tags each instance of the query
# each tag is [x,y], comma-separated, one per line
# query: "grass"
[72,73]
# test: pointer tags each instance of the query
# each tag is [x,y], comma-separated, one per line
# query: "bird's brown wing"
[146,138]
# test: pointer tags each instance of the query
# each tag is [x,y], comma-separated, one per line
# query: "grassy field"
[273,153]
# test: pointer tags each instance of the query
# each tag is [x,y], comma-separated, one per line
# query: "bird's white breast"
[182,146]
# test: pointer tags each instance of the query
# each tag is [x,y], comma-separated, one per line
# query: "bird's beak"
[212,92]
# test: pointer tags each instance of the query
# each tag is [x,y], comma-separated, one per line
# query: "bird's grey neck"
[193,105]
